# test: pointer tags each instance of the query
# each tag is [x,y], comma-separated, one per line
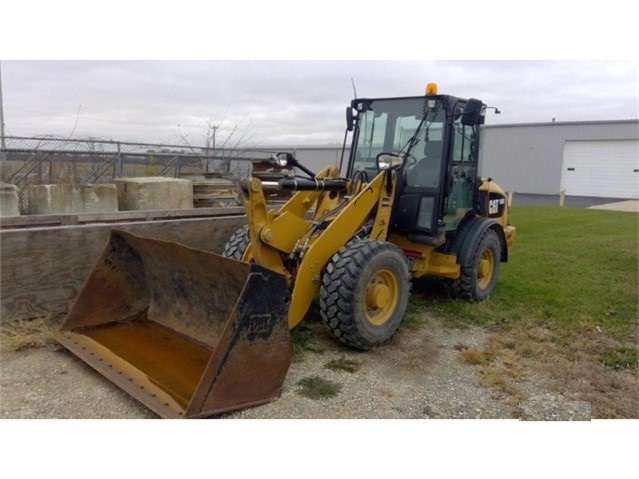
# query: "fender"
[468,234]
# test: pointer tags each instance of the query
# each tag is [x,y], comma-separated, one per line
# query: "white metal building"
[592,158]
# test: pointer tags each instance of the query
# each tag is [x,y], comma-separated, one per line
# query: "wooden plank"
[42,270]
[120,216]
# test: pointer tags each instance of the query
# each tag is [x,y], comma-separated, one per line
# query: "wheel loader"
[191,333]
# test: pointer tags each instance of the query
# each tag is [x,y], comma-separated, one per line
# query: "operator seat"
[426,172]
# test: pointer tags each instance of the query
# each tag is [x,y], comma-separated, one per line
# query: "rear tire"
[237,244]
[477,279]
[364,293]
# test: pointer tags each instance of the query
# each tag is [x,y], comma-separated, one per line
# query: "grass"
[475,356]
[566,300]
[619,358]
[316,387]
[34,333]
[568,267]
[343,364]
[413,317]
[304,336]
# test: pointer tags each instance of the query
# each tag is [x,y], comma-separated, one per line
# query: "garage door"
[609,169]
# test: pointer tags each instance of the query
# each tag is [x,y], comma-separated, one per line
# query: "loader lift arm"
[288,236]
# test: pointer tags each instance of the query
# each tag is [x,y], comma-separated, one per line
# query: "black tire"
[237,243]
[477,279]
[361,234]
[364,293]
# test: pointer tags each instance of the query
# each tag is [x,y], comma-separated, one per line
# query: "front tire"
[237,244]
[477,279]
[364,293]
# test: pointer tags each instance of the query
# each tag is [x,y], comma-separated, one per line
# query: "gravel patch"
[419,374]
[549,408]
[44,383]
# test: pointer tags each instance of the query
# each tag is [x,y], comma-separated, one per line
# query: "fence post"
[562,197]
[119,161]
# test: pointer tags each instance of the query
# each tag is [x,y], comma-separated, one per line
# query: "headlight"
[281,159]
[387,161]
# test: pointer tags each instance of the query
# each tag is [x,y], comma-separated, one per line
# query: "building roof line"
[556,123]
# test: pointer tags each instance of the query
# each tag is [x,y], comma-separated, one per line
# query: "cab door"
[419,196]
[462,169]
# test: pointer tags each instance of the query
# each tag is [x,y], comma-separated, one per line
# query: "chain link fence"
[49,160]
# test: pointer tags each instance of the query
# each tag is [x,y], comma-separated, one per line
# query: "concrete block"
[100,198]
[154,193]
[9,203]
[65,199]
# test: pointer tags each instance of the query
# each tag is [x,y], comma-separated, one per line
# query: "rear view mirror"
[349,118]
[473,112]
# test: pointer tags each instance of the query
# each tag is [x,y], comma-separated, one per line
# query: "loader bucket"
[186,332]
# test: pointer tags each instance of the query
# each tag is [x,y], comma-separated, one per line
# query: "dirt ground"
[407,387]
[422,373]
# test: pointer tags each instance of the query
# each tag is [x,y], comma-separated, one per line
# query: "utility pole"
[2,145]
[214,151]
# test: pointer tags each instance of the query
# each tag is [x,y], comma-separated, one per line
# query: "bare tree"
[222,143]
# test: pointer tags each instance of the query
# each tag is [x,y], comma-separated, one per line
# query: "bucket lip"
[128,378]
[121,373]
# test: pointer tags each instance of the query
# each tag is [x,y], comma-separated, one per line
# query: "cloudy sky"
[532,65]
[298,102]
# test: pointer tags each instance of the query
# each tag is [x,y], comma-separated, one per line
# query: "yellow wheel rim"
[381,297]
[485,268]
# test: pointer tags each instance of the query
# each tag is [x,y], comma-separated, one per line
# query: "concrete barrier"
[9,204]
[65,198]
[154,193]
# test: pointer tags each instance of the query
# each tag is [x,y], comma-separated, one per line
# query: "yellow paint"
[258,217]
[322,245]
[381,297]
[283,232]
[425,260]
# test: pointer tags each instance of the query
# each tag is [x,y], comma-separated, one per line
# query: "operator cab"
[437,137]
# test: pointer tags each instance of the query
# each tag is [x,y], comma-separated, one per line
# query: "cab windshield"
[390,125]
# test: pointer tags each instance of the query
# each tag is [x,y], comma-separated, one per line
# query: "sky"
[292,101]
[284,77]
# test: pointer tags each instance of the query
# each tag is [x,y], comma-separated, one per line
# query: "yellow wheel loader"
[192,334]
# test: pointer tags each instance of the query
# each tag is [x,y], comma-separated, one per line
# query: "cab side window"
[462,140]
[462,172]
